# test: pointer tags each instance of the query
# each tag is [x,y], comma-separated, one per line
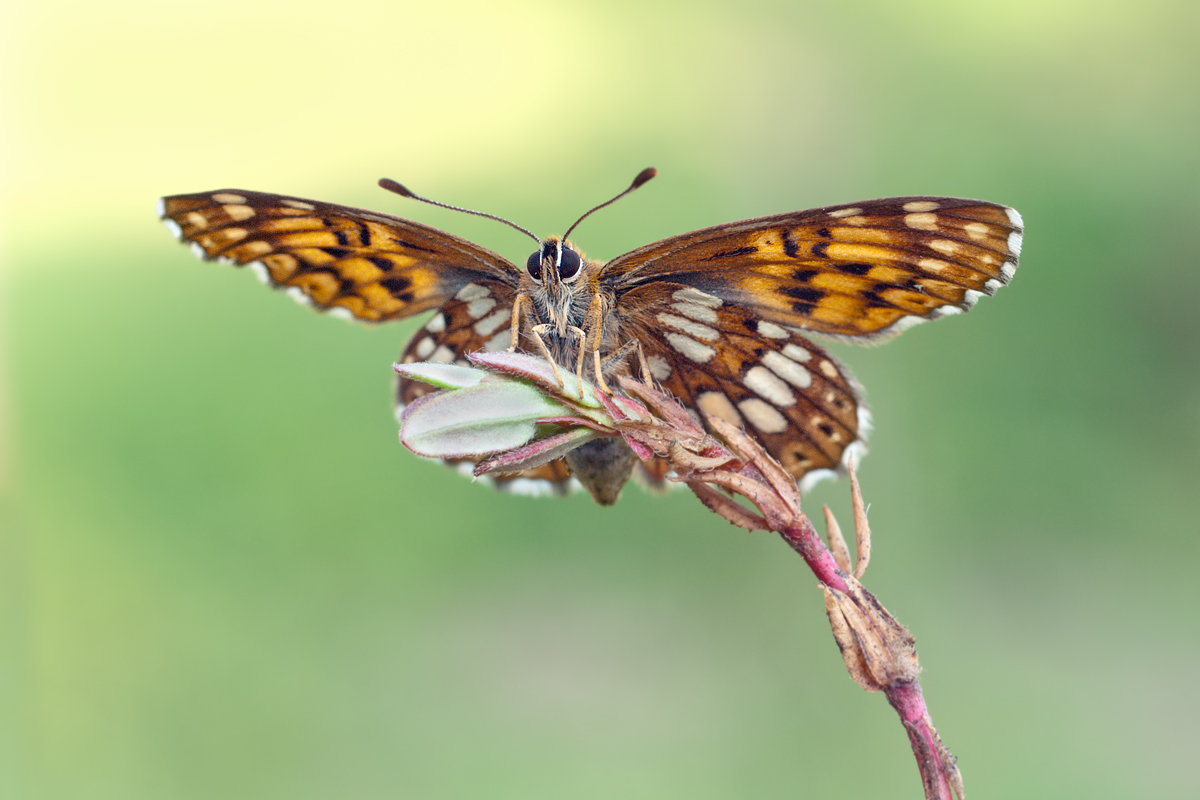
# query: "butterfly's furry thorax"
[721,317]
[557,300]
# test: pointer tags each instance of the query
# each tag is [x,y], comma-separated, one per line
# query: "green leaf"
[478,420]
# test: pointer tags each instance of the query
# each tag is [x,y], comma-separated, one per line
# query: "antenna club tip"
[393,186]
[643,176]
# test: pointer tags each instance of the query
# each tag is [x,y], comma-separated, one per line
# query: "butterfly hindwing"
[478,317]
[724,360]
[863,269]
[348,261]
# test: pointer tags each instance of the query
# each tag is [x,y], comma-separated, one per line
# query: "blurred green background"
[223,577]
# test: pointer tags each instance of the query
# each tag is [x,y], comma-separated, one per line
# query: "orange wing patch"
[347,261]
[854,270]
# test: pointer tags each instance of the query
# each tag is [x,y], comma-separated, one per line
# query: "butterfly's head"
[554,262]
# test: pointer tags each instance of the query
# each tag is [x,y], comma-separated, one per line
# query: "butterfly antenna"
[403,191]
[642,177]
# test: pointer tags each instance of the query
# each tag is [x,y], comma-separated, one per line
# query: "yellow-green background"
[222,576]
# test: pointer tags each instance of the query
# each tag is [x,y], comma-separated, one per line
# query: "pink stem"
[804,539]
[909,703]
[906,698]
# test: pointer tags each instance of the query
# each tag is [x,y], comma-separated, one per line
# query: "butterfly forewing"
[861,269]
[345,260]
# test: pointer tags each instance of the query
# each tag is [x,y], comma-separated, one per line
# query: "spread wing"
[347,261]
[864,269]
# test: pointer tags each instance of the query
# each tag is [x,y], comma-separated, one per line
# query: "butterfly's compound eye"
[568,268]
[534,265]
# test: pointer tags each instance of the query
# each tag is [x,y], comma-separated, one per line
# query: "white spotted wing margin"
[349,262]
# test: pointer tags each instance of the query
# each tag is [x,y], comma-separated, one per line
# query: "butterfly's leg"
[600,373]
[643,365]
[590,335]
[579,359]
[611,360]
[520,305]
[620,354]
[537,331]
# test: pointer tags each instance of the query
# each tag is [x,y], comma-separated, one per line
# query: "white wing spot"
[341,312]
[921,222]
[716,404]
[660,368]
[934,265]
[437,324]
[500,341]
[1014,217]
[228,197]
[845,212]
[1008,269]
[690,295]
[300,204]
[945,246]
[922,205]
[443,355]
[237,213]
[481,305]
[687,326]
[490,324]
[787,369]
[198,251]
[425,347]
[689,347]
[771,330]
[763,416]
[992,285]
[161,206]
[854,452]
[796,353]
[977,230]
[828,368]
[767,384]
[814,477]
[173,227]
[472,291]
[527,487]
[297,294]
[1014,243]
[260,270]
[697,312]
[971,297]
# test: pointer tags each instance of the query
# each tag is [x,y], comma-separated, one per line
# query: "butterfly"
[721,318]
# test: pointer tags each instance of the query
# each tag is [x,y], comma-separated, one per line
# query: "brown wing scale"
[348,261]
[863,269]
[723,360]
